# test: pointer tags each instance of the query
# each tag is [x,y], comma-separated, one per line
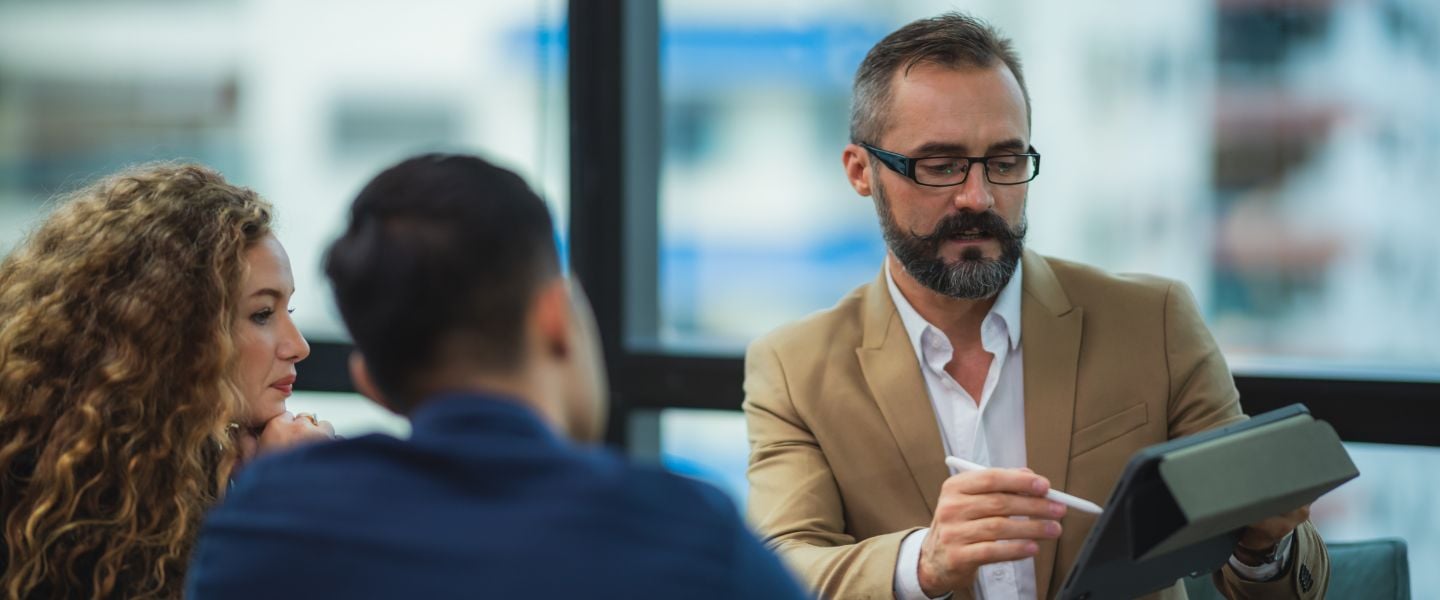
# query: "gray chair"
[1373,569]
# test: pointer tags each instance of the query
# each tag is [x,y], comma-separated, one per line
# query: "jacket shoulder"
[1095,288]
[840,326]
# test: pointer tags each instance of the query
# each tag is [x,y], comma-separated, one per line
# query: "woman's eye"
[262,316]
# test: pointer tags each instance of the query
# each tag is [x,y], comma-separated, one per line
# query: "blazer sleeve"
[794,502]
[1203,396]
[1307,576]
[1202,391]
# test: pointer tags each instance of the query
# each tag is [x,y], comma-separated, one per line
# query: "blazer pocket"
[1109,428]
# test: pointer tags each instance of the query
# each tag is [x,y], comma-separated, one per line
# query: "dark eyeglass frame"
[905,165]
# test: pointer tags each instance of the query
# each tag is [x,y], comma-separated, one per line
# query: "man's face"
[587,395]
[961,241]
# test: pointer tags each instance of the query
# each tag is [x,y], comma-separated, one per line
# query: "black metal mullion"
[327,369]
[597,175]
[1382,412]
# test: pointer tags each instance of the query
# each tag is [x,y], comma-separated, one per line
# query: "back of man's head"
[438,267]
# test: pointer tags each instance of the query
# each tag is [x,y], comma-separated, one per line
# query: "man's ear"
[365,384]
[857,168]
[550,320]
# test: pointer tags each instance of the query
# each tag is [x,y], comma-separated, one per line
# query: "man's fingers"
[1284,523]
[1000,528]
[985,553]
[966,508]
[328,428]
[959,508]
[1014,481]
[1267,533]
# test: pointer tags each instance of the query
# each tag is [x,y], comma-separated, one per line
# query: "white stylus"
[1080,504]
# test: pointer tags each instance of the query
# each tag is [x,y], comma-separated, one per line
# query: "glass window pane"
[1278,158]
[1389,499]
[302,101]
[709,445]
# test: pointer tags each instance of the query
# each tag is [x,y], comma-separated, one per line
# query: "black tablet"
[1179,506]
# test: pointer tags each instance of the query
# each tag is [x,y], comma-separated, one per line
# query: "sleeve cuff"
[1266,572]
[907,568]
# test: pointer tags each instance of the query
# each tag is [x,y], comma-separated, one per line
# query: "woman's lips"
[286,385]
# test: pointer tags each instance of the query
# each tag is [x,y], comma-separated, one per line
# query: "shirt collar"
[1006,308]
[466,412]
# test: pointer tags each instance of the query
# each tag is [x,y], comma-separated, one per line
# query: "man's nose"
[973,195]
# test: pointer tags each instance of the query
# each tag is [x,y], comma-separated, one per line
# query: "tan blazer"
[846,456]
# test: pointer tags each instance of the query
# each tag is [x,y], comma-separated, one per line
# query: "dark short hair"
[952,40]
[443,253]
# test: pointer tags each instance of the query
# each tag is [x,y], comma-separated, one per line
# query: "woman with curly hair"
[146,351]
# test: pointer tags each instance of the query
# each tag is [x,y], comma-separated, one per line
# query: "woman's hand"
[287,431]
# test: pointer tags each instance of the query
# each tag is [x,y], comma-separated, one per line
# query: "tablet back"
[1179,506]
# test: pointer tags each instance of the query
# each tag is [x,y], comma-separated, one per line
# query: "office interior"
[1278,156]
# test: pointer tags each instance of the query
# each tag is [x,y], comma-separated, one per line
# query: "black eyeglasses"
[945,171]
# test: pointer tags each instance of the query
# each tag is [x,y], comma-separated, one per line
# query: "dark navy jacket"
[483,501]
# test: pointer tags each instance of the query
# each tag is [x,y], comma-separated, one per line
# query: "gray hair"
[952,39]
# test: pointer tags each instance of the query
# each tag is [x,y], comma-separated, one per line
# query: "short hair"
[443,254]
[952,40]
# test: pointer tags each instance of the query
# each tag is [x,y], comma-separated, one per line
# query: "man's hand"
[1259,539]
[973,525]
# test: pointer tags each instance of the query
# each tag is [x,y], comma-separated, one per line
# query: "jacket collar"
[467,412]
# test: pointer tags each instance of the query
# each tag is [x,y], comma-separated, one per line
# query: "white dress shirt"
[990,432]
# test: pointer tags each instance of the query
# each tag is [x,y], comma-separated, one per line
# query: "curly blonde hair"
[116,384]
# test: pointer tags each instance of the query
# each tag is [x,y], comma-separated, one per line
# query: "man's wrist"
[907,568]
[931,590]
[1255,558]
[1268,567]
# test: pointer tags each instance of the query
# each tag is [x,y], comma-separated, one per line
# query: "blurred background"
[1279,156]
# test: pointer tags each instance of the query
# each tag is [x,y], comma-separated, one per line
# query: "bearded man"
[852,411]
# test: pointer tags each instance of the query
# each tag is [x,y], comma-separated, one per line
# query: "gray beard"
[971,277]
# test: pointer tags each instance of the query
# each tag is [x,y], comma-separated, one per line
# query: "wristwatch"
[1257,558]
[1268,556]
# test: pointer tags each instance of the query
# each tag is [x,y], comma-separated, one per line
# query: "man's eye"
[1006,164]
[950,167]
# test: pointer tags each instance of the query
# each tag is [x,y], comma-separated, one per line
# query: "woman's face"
[269,344]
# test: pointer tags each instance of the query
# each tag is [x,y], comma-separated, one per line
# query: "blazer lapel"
[1050,329]
[892,373]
